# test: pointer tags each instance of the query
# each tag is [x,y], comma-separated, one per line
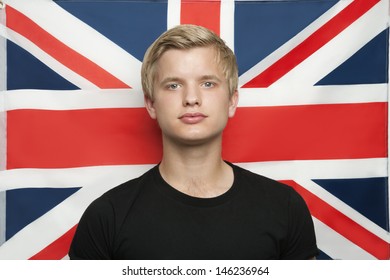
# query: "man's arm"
[301,243]
[92,238]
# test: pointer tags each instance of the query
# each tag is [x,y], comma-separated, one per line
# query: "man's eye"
[173,86]
[208,84]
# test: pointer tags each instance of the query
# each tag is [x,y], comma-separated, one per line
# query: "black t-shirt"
[146,218]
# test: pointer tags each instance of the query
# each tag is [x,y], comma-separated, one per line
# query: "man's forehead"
[177,57]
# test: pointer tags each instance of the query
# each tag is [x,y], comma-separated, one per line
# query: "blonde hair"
[187,37]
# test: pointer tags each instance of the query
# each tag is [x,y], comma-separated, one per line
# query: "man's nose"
[192,96]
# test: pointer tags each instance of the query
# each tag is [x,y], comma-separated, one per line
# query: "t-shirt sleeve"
[301,240]
[94,233]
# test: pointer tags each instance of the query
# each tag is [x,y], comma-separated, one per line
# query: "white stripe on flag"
[320,169]
[293,42]
[344,208]
[337,246]
[343,94]
[226,22]
[68,177]
[31,239]
[48,60]
[334,53]
[173,13]
[80,37]
[72,99]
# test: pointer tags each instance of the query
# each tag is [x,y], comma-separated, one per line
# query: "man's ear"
[149,105]
[233,103]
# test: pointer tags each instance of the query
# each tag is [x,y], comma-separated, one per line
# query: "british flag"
[312,111]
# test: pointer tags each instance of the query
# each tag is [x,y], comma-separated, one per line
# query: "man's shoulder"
[126,190]
[261,187]
[248,177]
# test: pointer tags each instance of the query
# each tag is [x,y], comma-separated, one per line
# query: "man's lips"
[192,118]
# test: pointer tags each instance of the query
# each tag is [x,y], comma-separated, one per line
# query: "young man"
[194,205]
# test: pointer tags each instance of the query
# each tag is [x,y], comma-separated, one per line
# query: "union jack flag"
[312,111]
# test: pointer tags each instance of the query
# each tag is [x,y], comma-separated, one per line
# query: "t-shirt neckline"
[181,197]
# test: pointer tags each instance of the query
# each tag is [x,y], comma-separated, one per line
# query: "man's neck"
[198,171]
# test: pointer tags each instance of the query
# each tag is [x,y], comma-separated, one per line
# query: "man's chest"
[164,233]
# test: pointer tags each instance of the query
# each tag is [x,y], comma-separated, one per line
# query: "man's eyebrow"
[169,79]
[210,77]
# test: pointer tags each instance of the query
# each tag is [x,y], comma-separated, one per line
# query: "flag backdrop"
[313,82]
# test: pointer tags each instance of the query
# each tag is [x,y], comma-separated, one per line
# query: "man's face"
[191,96]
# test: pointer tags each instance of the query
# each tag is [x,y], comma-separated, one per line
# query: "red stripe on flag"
[313,43]
[204,13]
[49,139]
[61,52]
[343,224]
[336,131]
[57,249]
[60,139]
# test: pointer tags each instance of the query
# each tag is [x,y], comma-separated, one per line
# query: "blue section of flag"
[23,206]
[323,256]
[132,25]
[369,196]
[367,66]
[24,71]
[261,29]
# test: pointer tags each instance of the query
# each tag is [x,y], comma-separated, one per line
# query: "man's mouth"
[192,118]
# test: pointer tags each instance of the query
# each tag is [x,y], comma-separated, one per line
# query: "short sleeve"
[94,234]
[301,239]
